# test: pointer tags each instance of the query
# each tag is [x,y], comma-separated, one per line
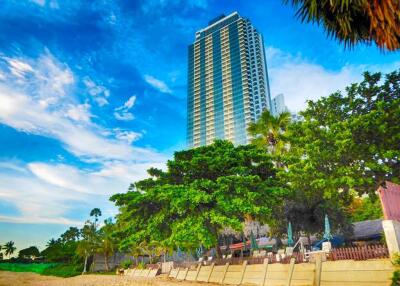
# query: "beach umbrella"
[253,241]
[327,232]
[290,241]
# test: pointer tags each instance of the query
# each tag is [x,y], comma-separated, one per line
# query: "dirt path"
[32,279]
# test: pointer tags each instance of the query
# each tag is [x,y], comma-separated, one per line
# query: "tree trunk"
[106,261]
[218,250]
[84,267]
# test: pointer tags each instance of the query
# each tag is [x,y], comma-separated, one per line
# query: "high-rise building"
[227,81]
[278,105]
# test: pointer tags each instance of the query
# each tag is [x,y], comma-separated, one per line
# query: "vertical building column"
[210,133]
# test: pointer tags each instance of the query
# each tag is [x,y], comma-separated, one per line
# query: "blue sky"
[92,93]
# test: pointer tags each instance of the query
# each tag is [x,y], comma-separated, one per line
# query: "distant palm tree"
[51,242]
[107,244]
[9,248]
[355,21]
[96,212]
[268,131]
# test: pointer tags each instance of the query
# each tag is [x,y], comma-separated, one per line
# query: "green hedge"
[51,269]
[63,270]
[26,267]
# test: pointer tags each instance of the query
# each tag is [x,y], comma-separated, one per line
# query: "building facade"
[227,81]
[278,105]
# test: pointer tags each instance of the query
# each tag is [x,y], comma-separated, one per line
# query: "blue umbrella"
[290,241]
[327,232]
[253,242]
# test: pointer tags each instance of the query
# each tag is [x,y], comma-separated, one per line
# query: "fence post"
[243,272]
[177,273]
[266,260]
[224,274]
[318,270]
[290,273]
[187,270]
[211,271]
[197,272]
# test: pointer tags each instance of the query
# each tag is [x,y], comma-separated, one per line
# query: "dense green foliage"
[29,252]
[365,209]
[355,21]
[63,270]
[346,145]
[25,267]
[203,191]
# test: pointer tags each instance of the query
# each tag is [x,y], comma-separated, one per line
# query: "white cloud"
[46,107]
[19,68]
[99,92]
[126,135]
[300,80]
[157,84]
[79,112]
[37,98]
[45,193]
[122,112]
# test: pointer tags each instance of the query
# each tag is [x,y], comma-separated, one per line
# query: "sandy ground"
[32,279]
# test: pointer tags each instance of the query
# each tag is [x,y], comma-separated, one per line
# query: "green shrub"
[63,270]
[26,267]
[141,265]
[126,263]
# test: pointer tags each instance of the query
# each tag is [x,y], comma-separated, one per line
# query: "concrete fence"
[346,272]
[141,272]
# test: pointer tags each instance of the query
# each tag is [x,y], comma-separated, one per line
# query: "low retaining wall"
[346,272]
[141,272]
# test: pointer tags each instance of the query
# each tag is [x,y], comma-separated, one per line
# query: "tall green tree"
[30,252]
[96,213]
[203,191]
[269,132]
[348,142]
[89,243]
[107,241]
[72,234]
[355,21]
[9,248]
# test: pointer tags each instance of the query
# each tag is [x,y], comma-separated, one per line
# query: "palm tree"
[9,248]
[268,132]
[355,21]
[96,212]
[107,243]
[51,242]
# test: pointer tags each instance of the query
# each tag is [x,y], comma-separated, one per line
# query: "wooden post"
[197,272]
[177,273]
[187,270]
[266,260]
[243,272]
[291,269]
[224,274]
[318,270]
[211,271]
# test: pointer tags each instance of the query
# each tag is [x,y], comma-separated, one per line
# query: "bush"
[126,263]
[141,265]
[26,267]
[63,270]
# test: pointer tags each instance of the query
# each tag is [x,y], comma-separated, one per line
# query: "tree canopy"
[202,191]
[355,21]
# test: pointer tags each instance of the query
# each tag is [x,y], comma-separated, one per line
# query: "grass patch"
[63,270]
[26,267]
[50,269]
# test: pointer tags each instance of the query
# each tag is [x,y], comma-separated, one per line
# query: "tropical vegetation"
[357,21]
